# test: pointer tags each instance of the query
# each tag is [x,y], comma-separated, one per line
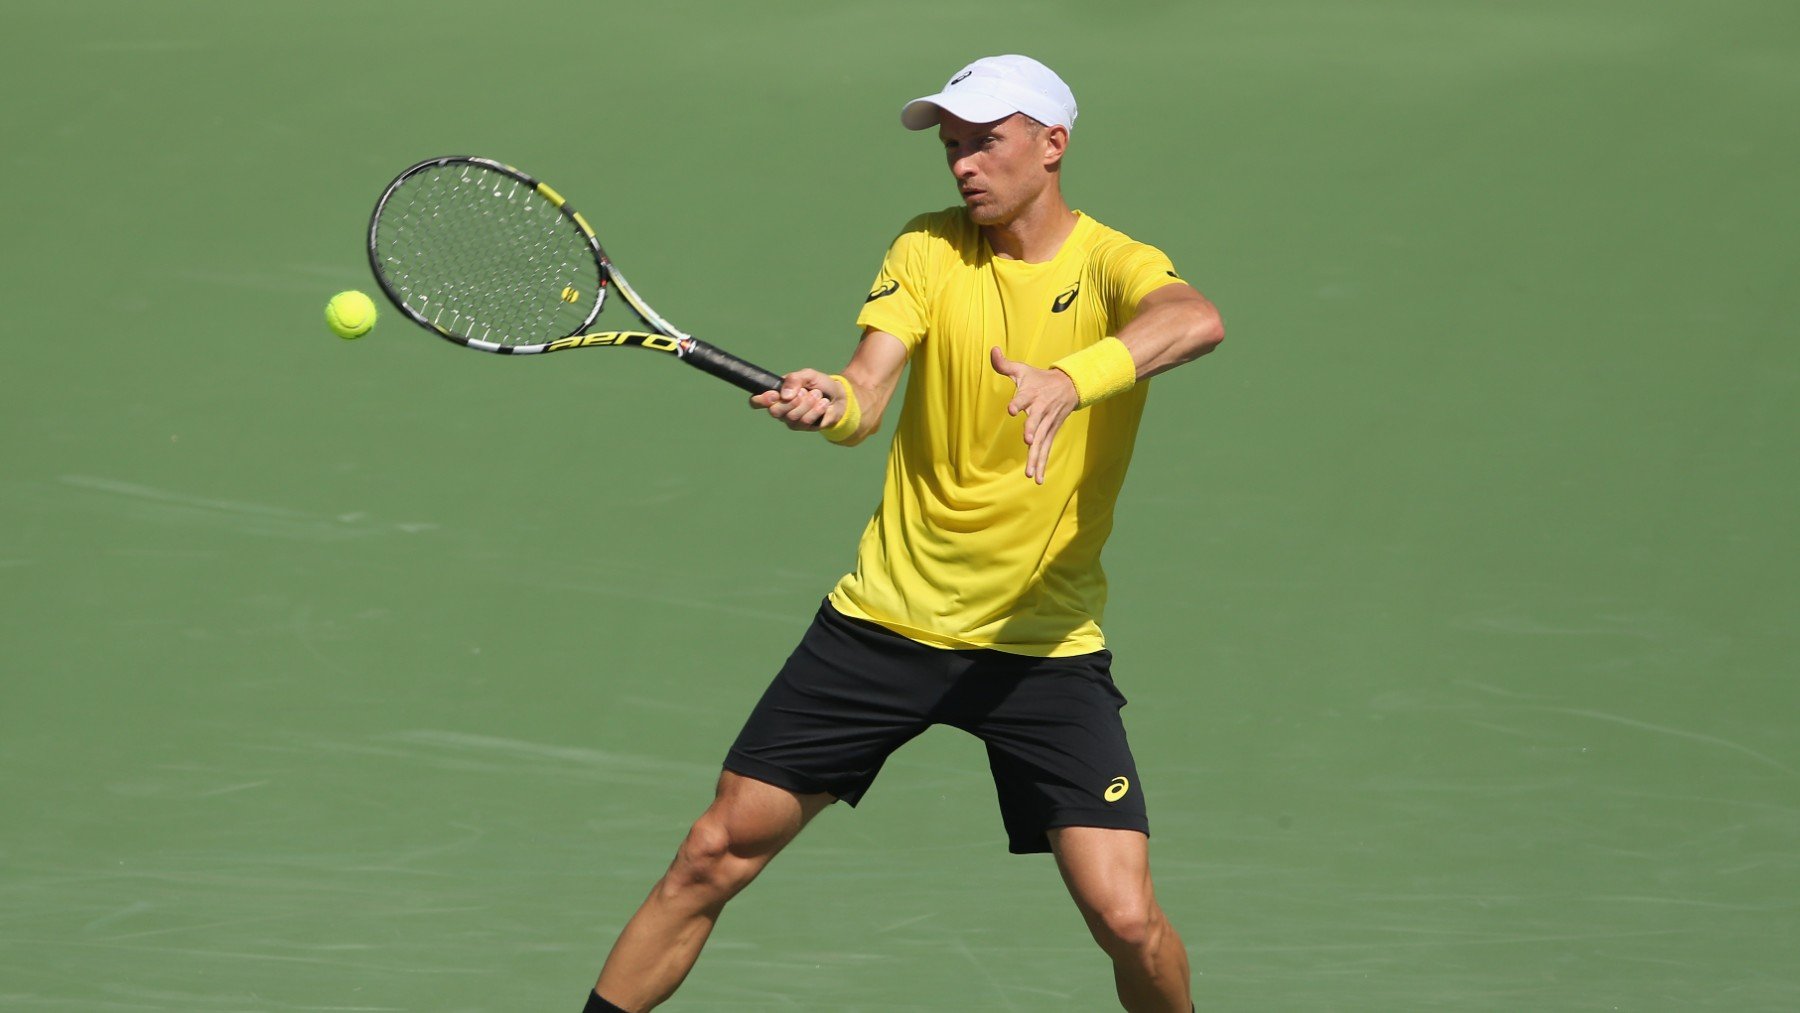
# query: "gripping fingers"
[803,411]
[780,409]
[812,411]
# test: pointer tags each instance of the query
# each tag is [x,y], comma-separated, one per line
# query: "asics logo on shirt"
[883,290]
[1067,299]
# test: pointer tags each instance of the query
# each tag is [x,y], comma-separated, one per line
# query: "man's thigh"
[1102,866]
[758,818]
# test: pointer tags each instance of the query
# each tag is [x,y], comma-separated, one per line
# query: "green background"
[1455,595]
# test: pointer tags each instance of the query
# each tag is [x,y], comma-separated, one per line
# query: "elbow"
[1209,332]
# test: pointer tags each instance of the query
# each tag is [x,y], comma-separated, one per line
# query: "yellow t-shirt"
[965,551]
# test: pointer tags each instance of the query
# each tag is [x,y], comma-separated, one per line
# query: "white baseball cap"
[993,88]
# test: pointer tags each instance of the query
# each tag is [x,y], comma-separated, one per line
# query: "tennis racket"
[483,255]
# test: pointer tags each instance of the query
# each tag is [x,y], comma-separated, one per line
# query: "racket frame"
[666,337]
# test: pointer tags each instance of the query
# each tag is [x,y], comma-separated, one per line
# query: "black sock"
[599,1005]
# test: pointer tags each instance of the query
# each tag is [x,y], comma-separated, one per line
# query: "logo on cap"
[960,78]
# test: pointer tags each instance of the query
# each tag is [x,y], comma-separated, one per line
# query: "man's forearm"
[1170,331]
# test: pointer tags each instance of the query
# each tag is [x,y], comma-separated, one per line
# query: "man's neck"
[1037,234]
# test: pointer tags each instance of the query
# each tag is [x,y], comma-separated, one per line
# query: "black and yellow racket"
[481,254]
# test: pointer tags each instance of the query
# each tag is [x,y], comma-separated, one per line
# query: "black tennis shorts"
[854,691]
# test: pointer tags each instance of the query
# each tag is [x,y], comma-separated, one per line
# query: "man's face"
[1000,167]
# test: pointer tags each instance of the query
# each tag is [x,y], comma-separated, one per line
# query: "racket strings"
[485,256]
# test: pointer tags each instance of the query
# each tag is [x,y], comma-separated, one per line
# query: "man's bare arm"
[810,400]
[1174,325]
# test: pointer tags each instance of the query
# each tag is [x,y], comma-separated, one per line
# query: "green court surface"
[1455,597]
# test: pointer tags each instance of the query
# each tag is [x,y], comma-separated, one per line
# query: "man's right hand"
[808,401]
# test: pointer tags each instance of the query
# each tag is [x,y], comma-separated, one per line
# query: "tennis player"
[977,595]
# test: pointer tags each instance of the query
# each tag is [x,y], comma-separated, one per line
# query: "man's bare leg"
[1108,874]
[748,823]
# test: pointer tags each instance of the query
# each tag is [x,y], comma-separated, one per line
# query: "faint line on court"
[232,789]
[903,923]
[1678,733]
[1388,944]
[636,594]
[201,927]
[963,945]
[281,958]
[250,518]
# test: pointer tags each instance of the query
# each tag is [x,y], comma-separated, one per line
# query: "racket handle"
[730,368]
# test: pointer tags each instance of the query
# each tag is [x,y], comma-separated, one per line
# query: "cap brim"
[923,113]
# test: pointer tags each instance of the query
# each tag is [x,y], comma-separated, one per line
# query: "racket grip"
[730,368]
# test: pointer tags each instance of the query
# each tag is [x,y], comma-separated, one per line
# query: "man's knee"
[1128,927]
[708,863]
[746,825]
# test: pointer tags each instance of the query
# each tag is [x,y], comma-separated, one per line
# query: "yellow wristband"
[852,417]
[1100,370]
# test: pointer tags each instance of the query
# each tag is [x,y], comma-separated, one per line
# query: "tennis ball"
[350,314]
[570,294]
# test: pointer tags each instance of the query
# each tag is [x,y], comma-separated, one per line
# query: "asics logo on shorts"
[1117,789]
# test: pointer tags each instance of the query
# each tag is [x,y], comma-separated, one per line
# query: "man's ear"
[1056,143]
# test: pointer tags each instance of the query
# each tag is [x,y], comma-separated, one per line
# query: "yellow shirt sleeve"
[1129,271]
[896,301]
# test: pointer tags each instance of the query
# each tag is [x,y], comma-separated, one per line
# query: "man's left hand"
[1047,397]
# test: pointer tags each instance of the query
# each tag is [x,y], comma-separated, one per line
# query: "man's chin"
[987,214]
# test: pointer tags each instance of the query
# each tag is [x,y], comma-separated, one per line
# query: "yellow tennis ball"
[350,314]
[570,295]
